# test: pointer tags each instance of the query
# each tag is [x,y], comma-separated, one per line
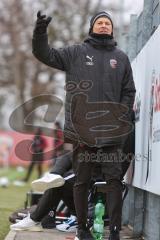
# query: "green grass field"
[11,197]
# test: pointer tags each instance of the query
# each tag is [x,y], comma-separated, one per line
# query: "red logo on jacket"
[113,63]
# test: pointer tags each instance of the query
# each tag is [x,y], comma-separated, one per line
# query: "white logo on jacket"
[90,62]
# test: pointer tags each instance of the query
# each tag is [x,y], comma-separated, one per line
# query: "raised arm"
[56,58]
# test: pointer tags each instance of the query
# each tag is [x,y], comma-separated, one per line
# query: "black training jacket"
[95,77]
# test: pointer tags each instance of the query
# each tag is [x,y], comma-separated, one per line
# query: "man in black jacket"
[38,146]
[99,99]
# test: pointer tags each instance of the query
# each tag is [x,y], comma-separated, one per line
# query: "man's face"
[102,26]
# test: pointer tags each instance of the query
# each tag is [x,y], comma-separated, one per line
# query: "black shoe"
[83,234]
[114,235]
[48,221]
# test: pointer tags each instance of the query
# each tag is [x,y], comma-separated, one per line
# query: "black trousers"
[37,160]
[30,169]
[85,159]
[51,198]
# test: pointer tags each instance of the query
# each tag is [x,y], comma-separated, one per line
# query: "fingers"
[48,20]
[40,16]
[42,23]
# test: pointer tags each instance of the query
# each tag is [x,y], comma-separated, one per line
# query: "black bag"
[32,198]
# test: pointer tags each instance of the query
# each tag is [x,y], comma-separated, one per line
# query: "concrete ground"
[126,233]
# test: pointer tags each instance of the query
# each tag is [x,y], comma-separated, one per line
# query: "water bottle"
[98,224]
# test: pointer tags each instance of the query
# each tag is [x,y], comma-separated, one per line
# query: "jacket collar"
[101,41]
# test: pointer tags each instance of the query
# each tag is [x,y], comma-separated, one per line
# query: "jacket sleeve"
[56,58]
[128,87]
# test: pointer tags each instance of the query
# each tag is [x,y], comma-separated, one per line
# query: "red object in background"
[59,138]
[8,143]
